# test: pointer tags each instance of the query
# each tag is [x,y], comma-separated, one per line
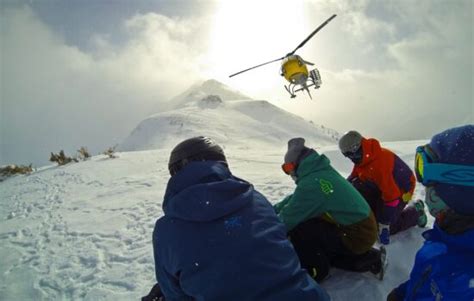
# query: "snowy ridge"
[201,90]
[229,117]
[238,123]
[83,231]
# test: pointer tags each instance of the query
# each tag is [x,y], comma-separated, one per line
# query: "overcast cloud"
[55,96]
[391,69]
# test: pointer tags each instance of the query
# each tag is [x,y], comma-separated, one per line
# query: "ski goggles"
[355,151]
[288,168]
[428,172]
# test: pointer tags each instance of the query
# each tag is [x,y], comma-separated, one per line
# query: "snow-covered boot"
[379,267]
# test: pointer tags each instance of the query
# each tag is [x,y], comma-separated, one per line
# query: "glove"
[384,234]
[155,294]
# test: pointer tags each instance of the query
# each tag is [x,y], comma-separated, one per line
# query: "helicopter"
[294,68]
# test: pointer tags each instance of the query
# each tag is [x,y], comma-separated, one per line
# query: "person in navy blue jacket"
[219,238]
[444,266]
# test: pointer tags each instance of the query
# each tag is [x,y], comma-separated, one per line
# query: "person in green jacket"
[328,221]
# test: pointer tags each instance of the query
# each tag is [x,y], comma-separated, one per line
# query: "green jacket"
[321,192]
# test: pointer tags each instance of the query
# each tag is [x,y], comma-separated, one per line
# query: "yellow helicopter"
[295,69]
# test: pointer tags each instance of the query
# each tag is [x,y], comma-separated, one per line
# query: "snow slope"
[230,118]
[83,231]
[239,124]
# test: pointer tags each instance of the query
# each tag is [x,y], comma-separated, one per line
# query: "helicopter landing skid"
[289,88]
[314,80]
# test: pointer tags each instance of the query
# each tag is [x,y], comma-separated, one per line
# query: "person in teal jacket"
[327,219]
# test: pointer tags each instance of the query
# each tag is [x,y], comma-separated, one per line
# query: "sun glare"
[248,33]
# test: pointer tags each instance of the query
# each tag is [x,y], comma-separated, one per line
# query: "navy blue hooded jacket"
[221,240]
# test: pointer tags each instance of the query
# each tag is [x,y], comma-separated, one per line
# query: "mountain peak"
[213,84]
[204,89]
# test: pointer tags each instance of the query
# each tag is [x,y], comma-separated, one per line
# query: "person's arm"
[353,175]
[281,204]
[170,286]
[306,202]
[168,283]
[390,194]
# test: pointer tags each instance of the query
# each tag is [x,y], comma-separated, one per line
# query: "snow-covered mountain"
[202,89]
[230,118]
[83,231]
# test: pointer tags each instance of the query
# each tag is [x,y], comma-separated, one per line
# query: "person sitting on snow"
[328,221]
[444,266]
[219,238]
[386,182]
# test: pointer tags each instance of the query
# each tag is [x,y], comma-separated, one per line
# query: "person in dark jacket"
[386,182]
[328,221]
[444,266]
[219,238]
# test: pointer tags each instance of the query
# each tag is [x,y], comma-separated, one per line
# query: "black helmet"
[194,149]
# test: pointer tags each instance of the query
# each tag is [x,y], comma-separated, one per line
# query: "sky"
[85,73]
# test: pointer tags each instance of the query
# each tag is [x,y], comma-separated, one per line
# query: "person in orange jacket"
[385,181]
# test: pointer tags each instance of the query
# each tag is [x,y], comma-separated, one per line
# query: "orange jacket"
[386,170]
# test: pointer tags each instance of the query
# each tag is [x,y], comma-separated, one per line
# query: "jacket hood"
[205,191]
[370,150]
[312,163]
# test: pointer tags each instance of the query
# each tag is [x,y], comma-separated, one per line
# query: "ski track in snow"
[83,231]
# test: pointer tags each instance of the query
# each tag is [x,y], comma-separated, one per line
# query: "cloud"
[407,77]
[393,70]
[55,96]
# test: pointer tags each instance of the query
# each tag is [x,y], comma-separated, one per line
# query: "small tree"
[61,158]
[83,153]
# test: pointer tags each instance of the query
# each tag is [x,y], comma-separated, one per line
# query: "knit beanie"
[297,151]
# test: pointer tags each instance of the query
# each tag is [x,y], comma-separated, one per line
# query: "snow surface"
[83,231]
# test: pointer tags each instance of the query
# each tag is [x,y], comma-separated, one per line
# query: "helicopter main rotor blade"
[256,66]
[312,34]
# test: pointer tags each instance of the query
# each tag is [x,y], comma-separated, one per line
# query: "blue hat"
[455,146]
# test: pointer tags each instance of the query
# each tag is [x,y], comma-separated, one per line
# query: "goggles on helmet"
[288,168]
[429,172]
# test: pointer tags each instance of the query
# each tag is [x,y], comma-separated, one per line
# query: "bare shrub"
[12,169]
[83,153]
[61,158]
[110,152]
